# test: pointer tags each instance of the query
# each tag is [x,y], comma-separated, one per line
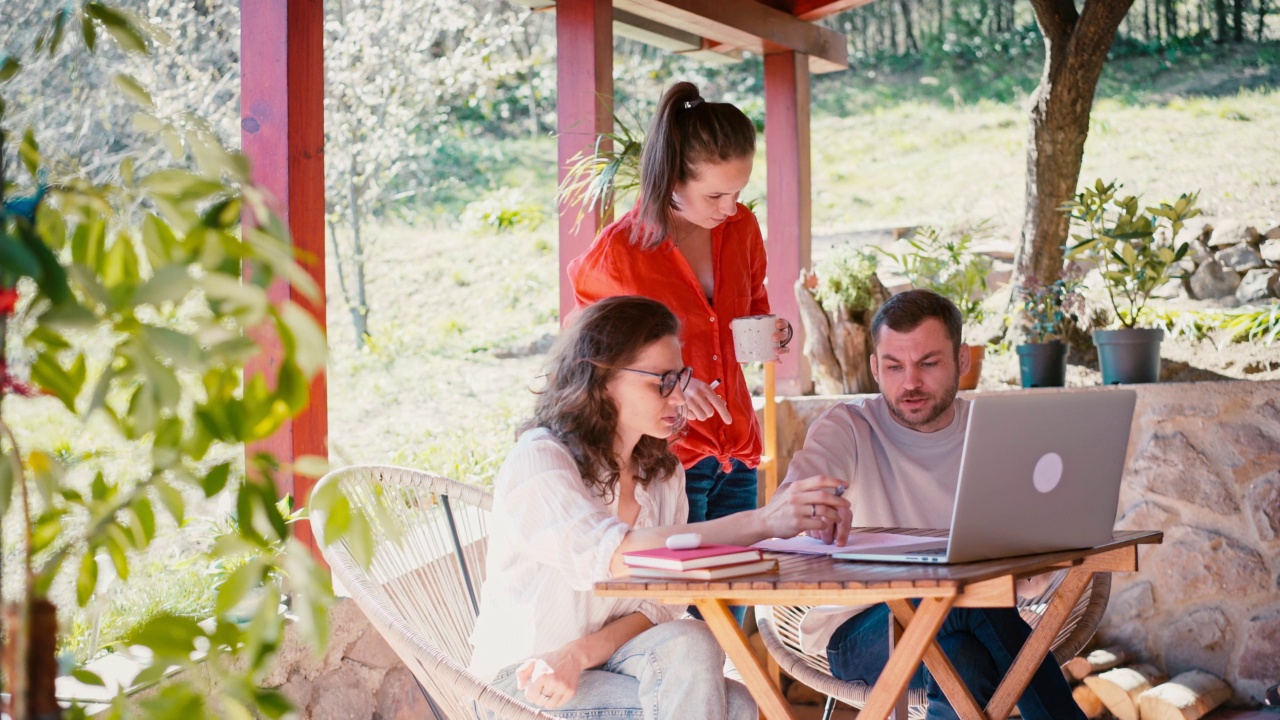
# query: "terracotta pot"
[969,380]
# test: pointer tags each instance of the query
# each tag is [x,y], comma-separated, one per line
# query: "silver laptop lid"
[1040,471]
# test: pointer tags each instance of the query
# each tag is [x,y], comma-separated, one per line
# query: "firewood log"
[827,372]
[1186,697]
[1119,689]
[1088,701]
[1079,668]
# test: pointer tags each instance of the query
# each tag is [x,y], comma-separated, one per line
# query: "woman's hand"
[782,336]
[813,504]
[701,402]
[557,687]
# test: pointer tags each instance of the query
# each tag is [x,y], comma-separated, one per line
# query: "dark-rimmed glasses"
[668,380]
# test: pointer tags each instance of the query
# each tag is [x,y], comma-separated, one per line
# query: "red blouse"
[614,266]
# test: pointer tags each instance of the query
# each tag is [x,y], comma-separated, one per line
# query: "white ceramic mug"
[753,338]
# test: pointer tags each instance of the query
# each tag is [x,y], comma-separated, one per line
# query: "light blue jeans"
[673,670]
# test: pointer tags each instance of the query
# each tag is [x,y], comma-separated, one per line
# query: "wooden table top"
[818,579]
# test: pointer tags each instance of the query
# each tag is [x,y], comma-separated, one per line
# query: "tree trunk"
[908,30]
[37,699]
[1170,20]
[1262,20]
[1237,19]
[1220,9]
[360,308]
[1146,20]
[1076,46]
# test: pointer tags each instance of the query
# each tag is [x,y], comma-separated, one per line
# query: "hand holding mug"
[760,338]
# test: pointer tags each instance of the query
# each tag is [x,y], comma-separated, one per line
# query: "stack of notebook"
[708,562]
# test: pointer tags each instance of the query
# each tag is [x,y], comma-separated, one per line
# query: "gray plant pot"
[1130,355]
[1043,364]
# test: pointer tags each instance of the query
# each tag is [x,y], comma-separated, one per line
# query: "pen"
[714,384]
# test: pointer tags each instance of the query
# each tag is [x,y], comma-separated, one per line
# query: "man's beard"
[932,411]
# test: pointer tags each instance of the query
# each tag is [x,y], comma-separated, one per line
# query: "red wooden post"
[282,132]
[584,109]
[786,133]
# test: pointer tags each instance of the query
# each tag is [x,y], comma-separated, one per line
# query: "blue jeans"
[714,493]
[980,642]
[670,671]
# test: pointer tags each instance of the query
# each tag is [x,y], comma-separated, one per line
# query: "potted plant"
[836,305]
[122,303]
[1046,311]
[950,267]
[1136,251]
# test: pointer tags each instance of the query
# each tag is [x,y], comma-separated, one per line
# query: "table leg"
[1037,646]
[906,657]
[767,695]
[940,667]
[901,707]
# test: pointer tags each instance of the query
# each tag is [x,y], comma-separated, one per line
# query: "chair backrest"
[421,590]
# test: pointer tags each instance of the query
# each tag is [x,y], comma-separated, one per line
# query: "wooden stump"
[838,345]
[1119,689]
[1188,696]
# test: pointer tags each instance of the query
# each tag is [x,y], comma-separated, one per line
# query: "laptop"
[1039,472]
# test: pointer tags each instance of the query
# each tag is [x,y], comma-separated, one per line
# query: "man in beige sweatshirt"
[900,454]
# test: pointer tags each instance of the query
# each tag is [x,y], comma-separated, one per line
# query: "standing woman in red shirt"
[689,244]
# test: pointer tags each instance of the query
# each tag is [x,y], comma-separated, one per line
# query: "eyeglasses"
[668,380]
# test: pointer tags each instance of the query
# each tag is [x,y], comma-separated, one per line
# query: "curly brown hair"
[574,405]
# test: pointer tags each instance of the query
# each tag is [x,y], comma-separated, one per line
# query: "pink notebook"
[699,557]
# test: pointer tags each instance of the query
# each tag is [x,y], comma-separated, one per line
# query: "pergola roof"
[719,31]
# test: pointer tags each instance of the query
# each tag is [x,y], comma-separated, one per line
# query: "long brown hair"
[686,132]
[574,405]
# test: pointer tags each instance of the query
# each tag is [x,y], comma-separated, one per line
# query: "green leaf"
[179,348]
[89,31]
[312,466]
[120,26]
[29,151]
[134,90]
[144,517]
[17,259]
[57,30]
[9,66]
[173,501]
[271,703]
[170,637]
[64,383]
[237,585]
[170,283]
[216,479]
[359,540]
[120,269]
[337,519]
[6,482]
[87,677]
[51,227]
[99,490]
[87,580]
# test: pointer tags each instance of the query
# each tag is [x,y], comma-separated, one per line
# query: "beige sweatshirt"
[897,477]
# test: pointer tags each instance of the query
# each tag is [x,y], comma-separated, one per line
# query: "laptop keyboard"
[930,551]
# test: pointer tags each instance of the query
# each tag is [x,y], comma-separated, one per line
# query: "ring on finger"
[813,510]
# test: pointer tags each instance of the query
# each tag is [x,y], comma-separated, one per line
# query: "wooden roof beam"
[748,25]
[812,10]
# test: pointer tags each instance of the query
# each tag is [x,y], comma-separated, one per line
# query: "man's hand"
[555,687]
[815,505]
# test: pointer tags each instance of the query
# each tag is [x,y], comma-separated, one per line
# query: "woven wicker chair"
[780,631]
[422,590]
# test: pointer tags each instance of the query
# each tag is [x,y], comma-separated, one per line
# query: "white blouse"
[551,539]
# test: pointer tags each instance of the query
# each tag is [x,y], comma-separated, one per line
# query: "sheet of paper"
[806,545]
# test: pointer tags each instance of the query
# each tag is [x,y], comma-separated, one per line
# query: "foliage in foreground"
[125,302]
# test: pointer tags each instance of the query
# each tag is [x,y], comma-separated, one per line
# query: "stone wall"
[1204,467]
[1229,259]
[359,677]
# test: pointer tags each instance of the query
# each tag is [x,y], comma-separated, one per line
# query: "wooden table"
[819,580]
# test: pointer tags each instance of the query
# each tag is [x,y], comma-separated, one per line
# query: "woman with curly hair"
[592,477]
